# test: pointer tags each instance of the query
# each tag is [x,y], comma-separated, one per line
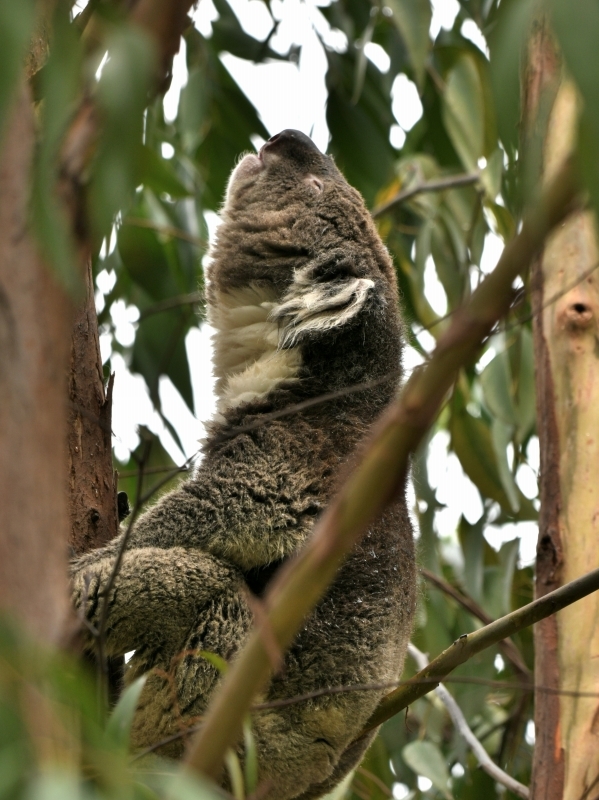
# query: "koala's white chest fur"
[248,362]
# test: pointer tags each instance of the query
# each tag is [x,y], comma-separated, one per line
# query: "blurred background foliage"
[153,187]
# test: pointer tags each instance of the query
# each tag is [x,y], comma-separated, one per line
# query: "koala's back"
[303,298]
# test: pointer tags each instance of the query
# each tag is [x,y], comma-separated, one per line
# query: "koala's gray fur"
[303,296]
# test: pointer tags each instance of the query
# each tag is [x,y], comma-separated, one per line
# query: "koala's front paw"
[89,585]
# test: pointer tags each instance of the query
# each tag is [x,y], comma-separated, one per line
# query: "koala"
[303,298]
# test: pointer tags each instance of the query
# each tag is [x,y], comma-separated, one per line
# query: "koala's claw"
[87,593]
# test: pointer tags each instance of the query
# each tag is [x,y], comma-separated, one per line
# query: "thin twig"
[312,402]
[466,680]
[452,182]
[469,644]
[166,230]
[190,299]
[366,773]
[131,473]
[508,648]
[461,724]
[176,471]
[101,639]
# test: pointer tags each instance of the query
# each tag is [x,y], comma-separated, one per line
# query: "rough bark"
[92,481]
[540,80]
[566,333]
[35,318]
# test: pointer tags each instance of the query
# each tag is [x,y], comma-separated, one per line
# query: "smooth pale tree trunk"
[35,324]
[566,304]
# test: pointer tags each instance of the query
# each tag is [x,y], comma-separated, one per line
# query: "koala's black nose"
[292,141]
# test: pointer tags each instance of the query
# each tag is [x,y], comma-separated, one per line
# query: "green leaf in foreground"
[16,26]
[119,724]
[464,111]
[426,759]
[413,20]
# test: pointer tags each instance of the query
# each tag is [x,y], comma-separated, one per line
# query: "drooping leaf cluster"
[148,187]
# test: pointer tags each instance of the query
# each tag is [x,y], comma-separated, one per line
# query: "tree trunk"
[35,319]
[92,481]
[566,323]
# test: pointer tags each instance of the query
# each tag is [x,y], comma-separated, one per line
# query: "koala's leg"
[157,597]
[301,748]
[178,691]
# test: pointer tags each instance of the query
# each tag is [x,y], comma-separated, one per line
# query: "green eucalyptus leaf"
[426,759]
[576,26]
[508,385]
[16,27]
[118,727]
[59,86]
[235,773]
[502,435]
[193,109]
[374,772]
[472,543]
[506,41]
[492,174]
[145,259]
[526,392]
[183,786]
[496,382]
[250,762]
[122,97]
[504,221]
[159,349]
[360,127]
[472,442]
[413,20]
[476,236]
[464,110]
[499,580]
[157,466]
[218,662]
[158,174]
[450,254]
[56,784]
[228,34]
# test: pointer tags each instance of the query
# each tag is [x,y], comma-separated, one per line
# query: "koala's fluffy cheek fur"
[245,171]
[303,299]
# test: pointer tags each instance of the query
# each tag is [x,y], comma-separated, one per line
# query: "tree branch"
[375,482]
[165,230]
[191,299]
[508,648]
[452,182]
[461,724]
[469,644]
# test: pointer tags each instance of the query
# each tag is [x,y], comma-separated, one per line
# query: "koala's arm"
[156,596]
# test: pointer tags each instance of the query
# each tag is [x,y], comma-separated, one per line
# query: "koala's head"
[297,264]
[287,205]
[289,168]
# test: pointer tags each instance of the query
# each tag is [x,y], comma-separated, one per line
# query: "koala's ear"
[325,294]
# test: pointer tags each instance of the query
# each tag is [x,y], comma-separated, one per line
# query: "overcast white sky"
[294,96]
